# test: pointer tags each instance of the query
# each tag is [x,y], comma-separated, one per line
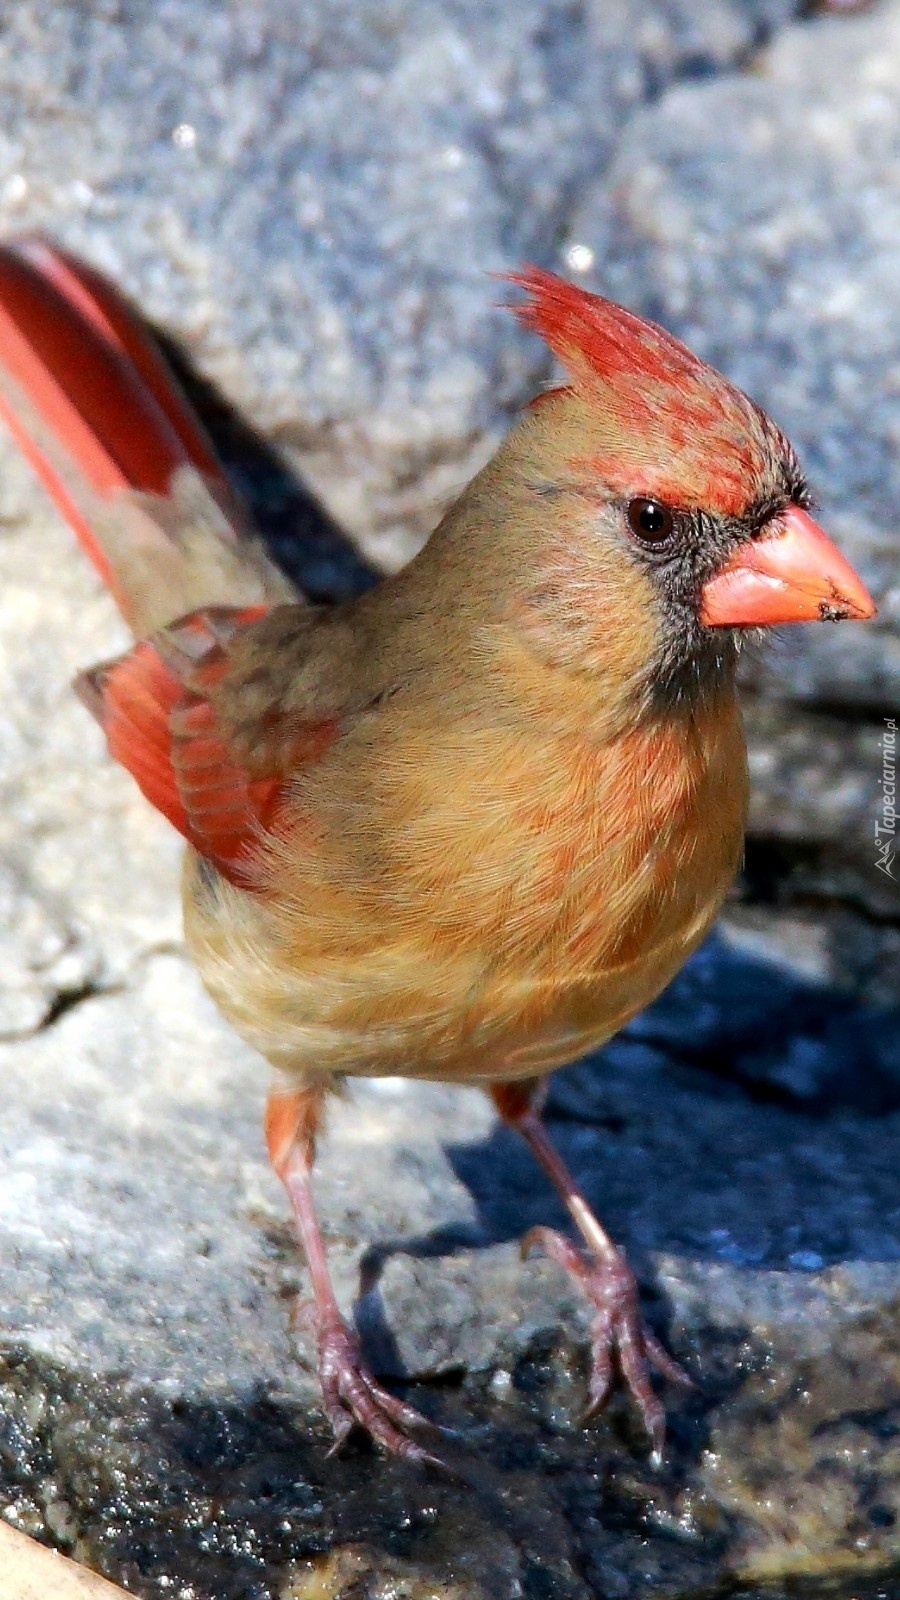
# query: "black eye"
[650,520]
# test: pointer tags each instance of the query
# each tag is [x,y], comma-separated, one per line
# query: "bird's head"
[668,494]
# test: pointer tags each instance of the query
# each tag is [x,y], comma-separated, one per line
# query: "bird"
[467,824]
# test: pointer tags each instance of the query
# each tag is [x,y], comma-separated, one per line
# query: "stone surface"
[311,197]
[158,1422]
[815,802]
[86,902]
[308,200]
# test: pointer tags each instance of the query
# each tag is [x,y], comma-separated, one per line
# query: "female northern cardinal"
[465,826]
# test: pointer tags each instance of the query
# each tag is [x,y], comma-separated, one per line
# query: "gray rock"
[812,775]
[89,872]
[853,957]
[148,1378]
[310,197]
[135,1195]
[815,803]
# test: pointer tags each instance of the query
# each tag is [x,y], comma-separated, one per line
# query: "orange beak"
[791,573]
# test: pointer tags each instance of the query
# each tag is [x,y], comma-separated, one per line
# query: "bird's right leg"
[620,1338]
[350,1391]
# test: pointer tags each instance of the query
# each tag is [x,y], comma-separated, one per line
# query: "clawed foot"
[353,1398]
[619,1341]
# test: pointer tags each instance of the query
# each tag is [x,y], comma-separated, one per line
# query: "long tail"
[86,393]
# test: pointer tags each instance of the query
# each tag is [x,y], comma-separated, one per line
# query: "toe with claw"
[353,1398]
[620,1343]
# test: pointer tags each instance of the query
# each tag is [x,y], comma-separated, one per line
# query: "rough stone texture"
[318,242]
[157,1422]
[814,805]
[310,195]
[86,902]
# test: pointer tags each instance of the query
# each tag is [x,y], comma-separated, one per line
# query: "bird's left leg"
[350,1391]
[619,1338]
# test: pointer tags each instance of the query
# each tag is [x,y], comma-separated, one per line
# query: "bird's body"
[514,893]
[514,848]
[467,825]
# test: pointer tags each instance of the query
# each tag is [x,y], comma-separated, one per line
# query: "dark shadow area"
[779,1038]
[302,536]
[226,1497]
[818,8]
[748,1118]
[229,1499]
[821,876]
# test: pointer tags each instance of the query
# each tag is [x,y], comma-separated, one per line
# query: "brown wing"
[158,708]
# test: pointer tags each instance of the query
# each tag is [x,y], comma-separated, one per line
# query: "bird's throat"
[693,667]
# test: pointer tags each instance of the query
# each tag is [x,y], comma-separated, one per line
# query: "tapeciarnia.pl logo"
[886,828]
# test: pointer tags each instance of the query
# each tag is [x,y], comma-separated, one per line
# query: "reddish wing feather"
[88,396]
[86,389]
[132,699]
[164,731]
[224,806]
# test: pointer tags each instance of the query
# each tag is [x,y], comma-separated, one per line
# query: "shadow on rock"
[748,1116]
[302,536]
[233,1498]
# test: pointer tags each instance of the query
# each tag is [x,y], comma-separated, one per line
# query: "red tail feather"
[88,396]
[86,393]
[86,291]
[93,374]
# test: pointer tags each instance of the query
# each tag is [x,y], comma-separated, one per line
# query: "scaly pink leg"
[619,1340]
[350,1392]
